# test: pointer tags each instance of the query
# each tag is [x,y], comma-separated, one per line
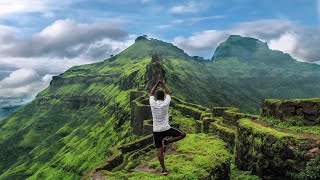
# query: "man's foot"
[164,145]
[164,172]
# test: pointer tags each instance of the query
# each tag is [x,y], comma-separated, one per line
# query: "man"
[161,127]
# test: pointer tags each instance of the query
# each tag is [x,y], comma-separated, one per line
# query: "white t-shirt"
[160,113]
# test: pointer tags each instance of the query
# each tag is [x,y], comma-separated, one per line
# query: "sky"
[40,39]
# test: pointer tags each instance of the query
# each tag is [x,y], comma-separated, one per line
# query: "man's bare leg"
[177,138]
[161,157]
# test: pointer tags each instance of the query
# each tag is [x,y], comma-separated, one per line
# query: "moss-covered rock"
[118,153]
[298,111]
[217,111]
[226,134]
[231,116]
[268,152]
[139,113]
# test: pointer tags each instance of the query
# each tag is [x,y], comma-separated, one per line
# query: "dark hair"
[160,95]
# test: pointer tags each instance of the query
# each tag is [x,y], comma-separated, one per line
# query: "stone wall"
[139,113]
[117,156]
[232,115]
[217,111]
[299,111]
[226,134]
[269,153]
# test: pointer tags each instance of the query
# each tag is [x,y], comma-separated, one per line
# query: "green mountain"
[72,126]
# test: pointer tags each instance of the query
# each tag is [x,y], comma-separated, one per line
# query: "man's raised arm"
[154,88]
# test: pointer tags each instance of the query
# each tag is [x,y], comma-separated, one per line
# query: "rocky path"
[98,176]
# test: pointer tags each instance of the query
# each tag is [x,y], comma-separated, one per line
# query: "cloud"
[190,7]
[12,6]
[299,41]
[203,41]
[66,38]
[31,6]
[6,35]
[189,21]
[268,28]
[27,64]
[19,78]
[287,42]
[21,86]
[6,69]
[47,78]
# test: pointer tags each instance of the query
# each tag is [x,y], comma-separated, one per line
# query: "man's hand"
[166,89]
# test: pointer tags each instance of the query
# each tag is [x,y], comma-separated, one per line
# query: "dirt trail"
[171,149]
[98,176]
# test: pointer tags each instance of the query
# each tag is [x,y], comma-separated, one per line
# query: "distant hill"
[72,125]
[5,111]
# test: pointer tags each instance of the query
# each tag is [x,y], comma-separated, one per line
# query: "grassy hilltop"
[71,126]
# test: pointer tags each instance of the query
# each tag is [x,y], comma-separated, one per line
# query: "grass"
[198,155]
[257,128]
[237,174]
[288,125]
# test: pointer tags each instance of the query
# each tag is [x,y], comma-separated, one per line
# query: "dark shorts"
[159,136]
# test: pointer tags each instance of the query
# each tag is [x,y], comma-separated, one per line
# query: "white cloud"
[66,38]
[203,41]
[12,6]
[190,7]
[18,78]
[21,86]
[287,43]
[27,64]
[188,21]
[6,35]
[47,77]
[28,6]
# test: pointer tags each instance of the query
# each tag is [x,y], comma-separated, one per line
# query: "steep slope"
[71,126]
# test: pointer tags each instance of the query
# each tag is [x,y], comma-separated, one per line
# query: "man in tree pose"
[161,127]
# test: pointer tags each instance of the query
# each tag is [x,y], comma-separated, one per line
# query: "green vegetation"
[72,125]
[290,126]
[237,174]
[312,170]
[279,101]
[248,123]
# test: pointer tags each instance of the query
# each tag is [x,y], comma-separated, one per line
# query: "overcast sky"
[39,39]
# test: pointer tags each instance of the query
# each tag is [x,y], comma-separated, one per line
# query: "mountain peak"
[247,48]
[146,47]
[239,46]
[141,38]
